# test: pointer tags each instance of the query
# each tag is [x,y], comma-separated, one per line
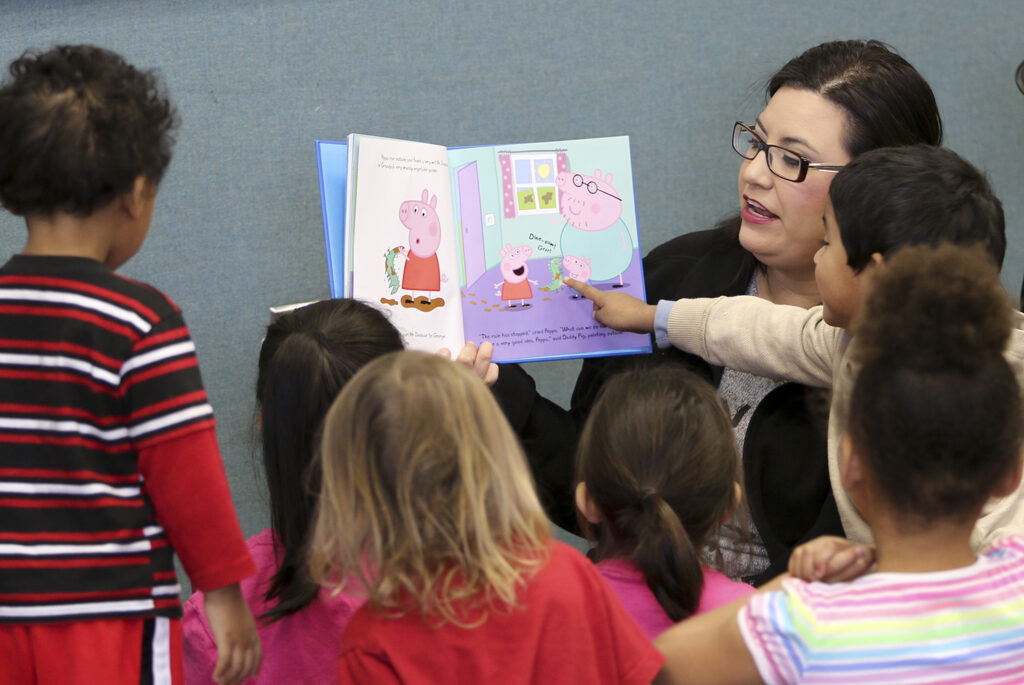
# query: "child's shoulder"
[1010,547]
[80,277]
[720,590]
[569,579]
[148,295]
[564,558]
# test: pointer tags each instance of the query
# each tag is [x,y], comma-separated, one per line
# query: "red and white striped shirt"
[107,451]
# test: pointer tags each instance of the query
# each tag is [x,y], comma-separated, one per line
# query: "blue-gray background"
[237,226]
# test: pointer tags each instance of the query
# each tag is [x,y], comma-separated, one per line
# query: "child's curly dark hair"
[936,408]
[78,125]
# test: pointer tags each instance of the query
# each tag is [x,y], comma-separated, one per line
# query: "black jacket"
[785,460]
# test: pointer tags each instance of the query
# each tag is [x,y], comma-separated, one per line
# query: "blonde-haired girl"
[427,501]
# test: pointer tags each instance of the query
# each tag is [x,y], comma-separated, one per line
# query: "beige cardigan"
[795,344]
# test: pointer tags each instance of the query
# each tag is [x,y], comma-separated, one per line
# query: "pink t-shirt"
[301,648]
[631,588]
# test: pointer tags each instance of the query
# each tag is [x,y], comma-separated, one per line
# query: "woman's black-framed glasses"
[784,163]
[592,188]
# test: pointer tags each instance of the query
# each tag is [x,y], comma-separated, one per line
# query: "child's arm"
[234,632]
[617,310]
[476,359]
[185,480]
[707,649]
[743,333]
[830,559]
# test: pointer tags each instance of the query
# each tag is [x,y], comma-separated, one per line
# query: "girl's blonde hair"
[426,498]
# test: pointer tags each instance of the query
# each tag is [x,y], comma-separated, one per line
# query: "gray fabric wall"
[238,228]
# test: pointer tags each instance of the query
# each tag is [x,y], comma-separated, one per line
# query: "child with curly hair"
[935,430]
[108,458]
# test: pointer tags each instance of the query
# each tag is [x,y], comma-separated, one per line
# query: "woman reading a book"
[824,107]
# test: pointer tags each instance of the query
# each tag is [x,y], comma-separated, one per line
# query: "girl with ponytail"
[658,472]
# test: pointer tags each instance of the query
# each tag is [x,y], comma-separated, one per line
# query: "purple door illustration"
[471,221]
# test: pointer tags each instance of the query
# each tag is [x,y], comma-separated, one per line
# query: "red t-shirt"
[569,628]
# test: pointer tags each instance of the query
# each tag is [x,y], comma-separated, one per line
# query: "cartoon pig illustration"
[422,272]
[593,224]
[514,270]
[578,268]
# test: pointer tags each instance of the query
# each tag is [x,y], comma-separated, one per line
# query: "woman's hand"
[830,559]
[617,310]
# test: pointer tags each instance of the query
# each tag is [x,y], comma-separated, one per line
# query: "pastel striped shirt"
[950,627]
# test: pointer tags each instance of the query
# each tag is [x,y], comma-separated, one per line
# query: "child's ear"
[134,201]
[1008,484]
[851,468]
[737,498]
[586,505]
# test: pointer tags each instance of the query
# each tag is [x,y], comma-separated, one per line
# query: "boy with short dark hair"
[881,201]
[108,458]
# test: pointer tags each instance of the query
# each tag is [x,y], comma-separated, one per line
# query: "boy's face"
[842,289]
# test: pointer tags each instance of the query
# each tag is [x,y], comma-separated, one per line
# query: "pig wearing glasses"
[593,224]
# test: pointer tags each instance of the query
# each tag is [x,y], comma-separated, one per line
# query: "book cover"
[474,243]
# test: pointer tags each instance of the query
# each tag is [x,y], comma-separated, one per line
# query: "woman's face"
[781,220]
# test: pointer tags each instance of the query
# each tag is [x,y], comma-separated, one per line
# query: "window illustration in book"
[475,243]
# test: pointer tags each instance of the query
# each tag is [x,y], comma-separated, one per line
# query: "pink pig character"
[514,270]
[593,224]
[422,271]
[578,268]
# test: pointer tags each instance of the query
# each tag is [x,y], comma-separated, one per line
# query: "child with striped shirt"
[108,458]
[934,431]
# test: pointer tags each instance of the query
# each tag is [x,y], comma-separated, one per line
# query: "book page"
[531,215]
[404,241]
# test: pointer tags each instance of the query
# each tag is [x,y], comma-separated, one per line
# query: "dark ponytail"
[666,557]
[307,357]
[659,461]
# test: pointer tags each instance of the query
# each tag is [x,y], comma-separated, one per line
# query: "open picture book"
[474,243]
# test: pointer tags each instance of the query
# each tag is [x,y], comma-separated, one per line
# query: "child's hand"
[617,310]
[234,632]
[478,359]
[830,559]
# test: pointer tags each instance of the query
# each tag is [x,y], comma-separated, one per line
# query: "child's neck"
[796,288]
[941,546]
[67,235]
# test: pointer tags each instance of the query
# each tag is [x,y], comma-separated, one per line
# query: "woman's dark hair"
[914,195]
[886,100]
[307,357]
[659,460]
[78,125]
[936,410]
